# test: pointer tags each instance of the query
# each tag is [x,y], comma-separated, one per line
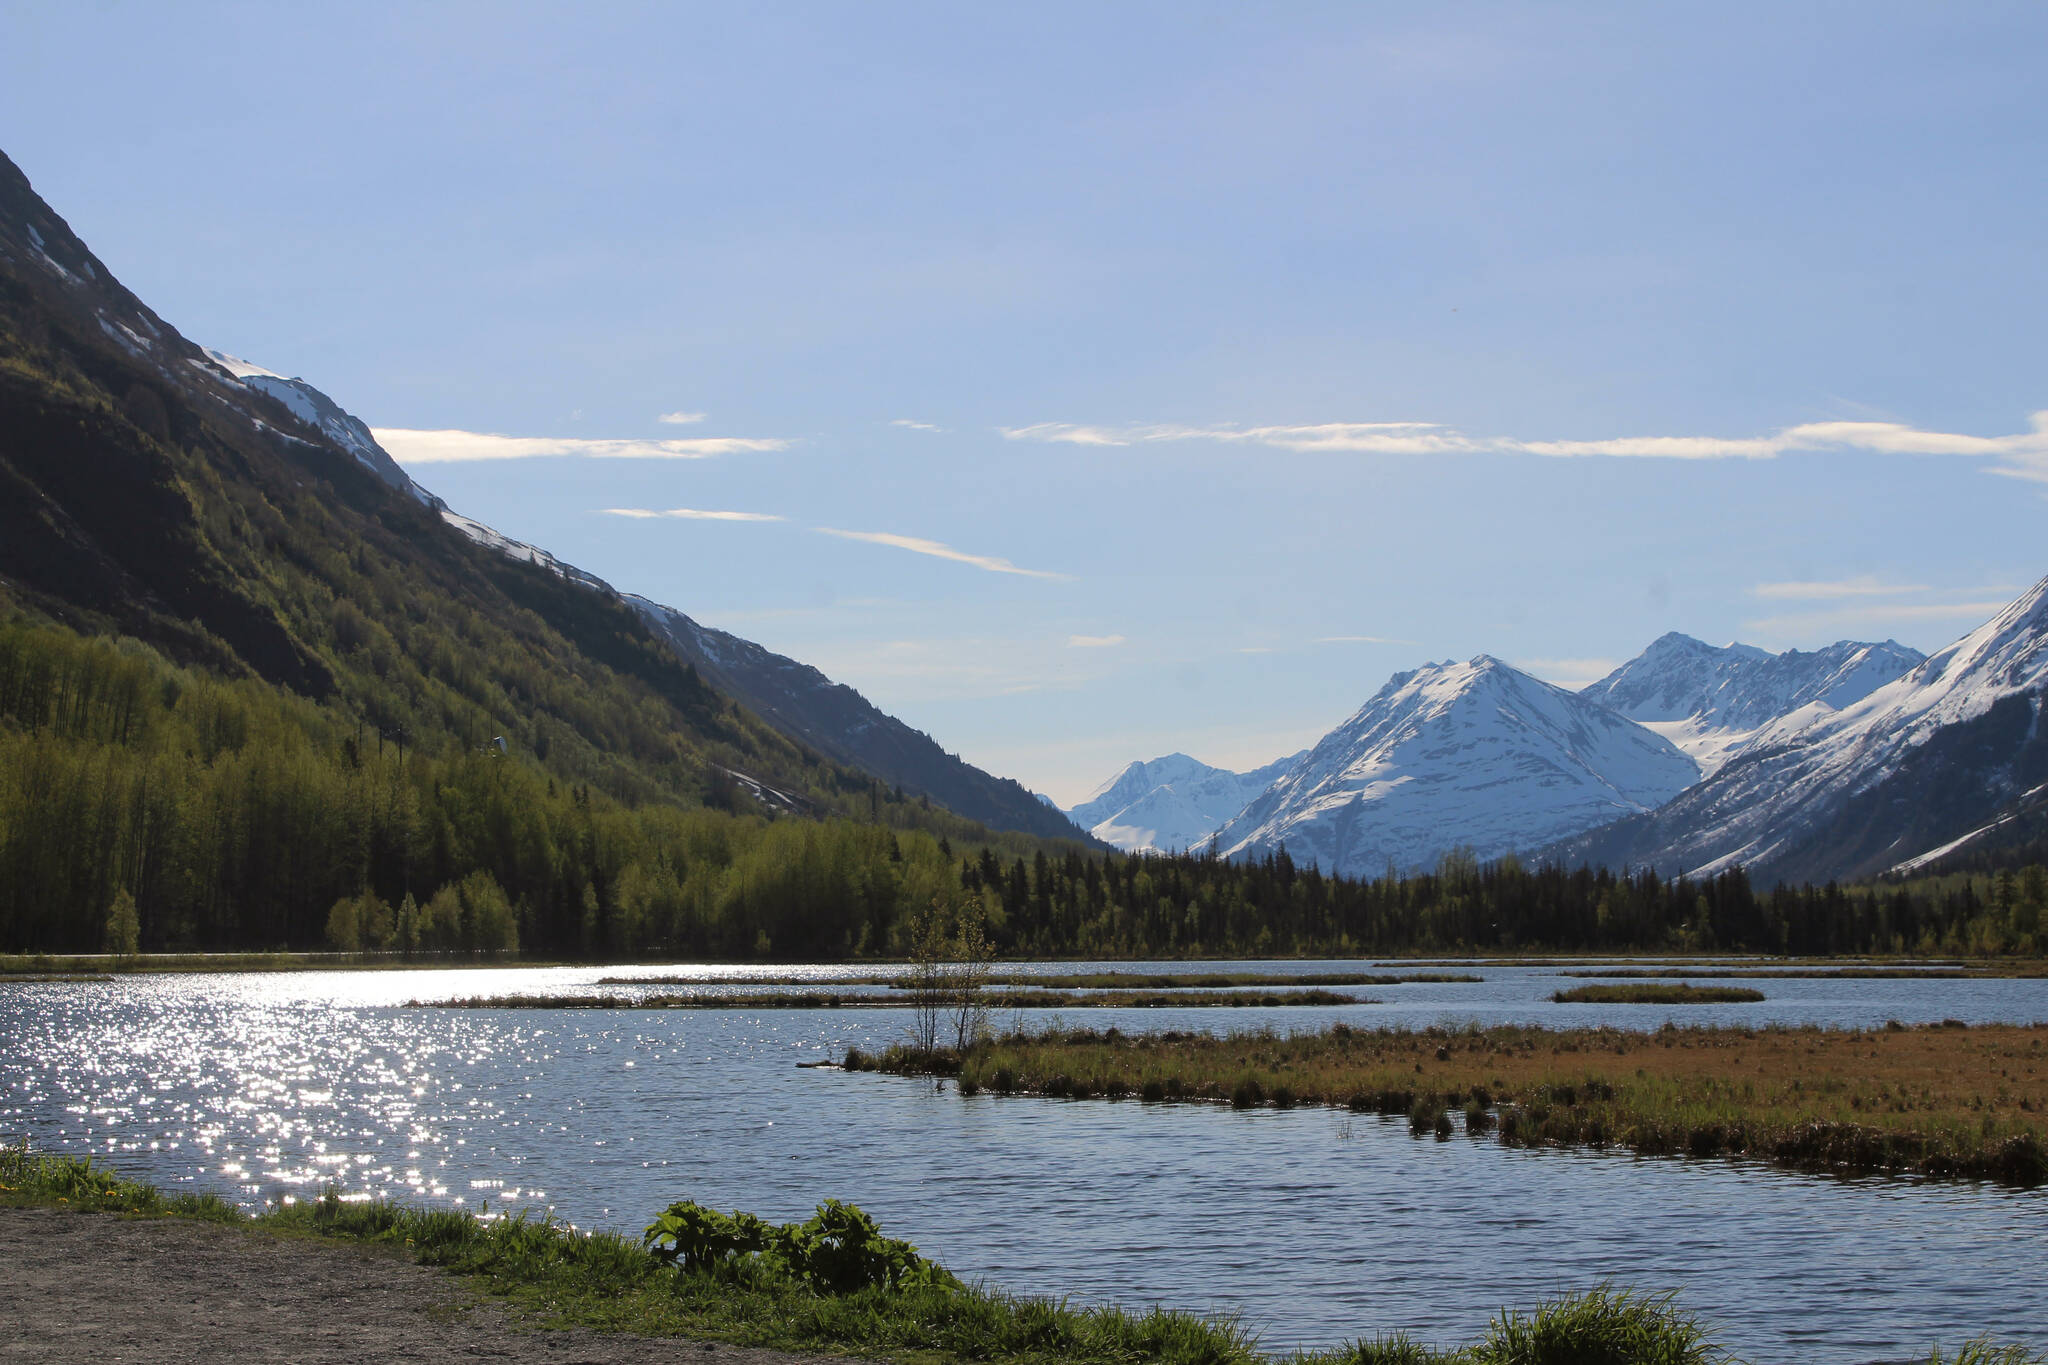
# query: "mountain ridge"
[839,722]
[1476,754]
[1172,802]
[1940,751]
[1715,702]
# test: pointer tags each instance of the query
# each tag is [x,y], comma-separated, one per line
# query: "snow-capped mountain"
[1164,805]
[322,414]
[1715,702]
[1474,754]
[1921,762]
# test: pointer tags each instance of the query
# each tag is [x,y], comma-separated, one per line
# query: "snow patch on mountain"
[316,410]
[1716,702]
[520,550]
[1168,804]
[1476,754]
[1765,807]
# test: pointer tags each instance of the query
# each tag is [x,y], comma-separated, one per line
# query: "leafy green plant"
[701,1237]
[838,1250]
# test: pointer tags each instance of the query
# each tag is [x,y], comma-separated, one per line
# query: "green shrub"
[838,1250]
[700,1238]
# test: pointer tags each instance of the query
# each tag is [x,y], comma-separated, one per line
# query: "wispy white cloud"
[1405,438]
[681,419]
[690,514]
[1253,649]
[445,447]
[1361,640]
[915,426]
[1864,585]
[940,550]
[2021,455]
[1094,641]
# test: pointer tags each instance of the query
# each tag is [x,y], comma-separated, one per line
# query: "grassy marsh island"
[835,1284]
[1657,993]
[1110,980]
[1215,980]
[991,1000]
[1940,1100]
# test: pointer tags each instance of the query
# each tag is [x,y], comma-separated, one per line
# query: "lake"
[1312,1226]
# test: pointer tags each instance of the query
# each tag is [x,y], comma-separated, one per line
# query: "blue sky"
[1096,381]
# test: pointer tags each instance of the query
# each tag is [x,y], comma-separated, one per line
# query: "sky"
[1088,382]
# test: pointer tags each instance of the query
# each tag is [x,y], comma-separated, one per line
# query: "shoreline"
[107,1271]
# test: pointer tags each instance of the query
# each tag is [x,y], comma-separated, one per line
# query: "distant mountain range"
[1715,702]
[1845,761]
[1913,770]
[1474,754]
[1169,804]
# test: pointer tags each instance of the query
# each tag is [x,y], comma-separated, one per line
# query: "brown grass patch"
[1938,1099]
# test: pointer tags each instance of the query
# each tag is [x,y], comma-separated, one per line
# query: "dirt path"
[96,1289]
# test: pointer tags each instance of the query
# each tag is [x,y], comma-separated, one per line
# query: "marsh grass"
[805,1000]
[561,1276]
[1936,1099]
[1217,980]
[1787,973]
[1110,980]
[1657,993]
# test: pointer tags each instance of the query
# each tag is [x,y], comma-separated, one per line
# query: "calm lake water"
[1313,1226]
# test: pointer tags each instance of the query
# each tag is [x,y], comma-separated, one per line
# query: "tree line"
[148,806]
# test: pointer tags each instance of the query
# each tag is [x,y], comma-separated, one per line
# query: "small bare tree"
[973,955]
[926,980]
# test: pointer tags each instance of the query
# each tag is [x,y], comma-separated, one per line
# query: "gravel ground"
[97,1289]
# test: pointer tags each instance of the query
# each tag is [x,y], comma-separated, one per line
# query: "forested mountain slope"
[149,492]
[840,723]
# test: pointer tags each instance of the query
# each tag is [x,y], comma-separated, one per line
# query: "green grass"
[561,1276]
[1657,993]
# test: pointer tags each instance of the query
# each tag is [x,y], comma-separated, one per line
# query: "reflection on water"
[1315,1226]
